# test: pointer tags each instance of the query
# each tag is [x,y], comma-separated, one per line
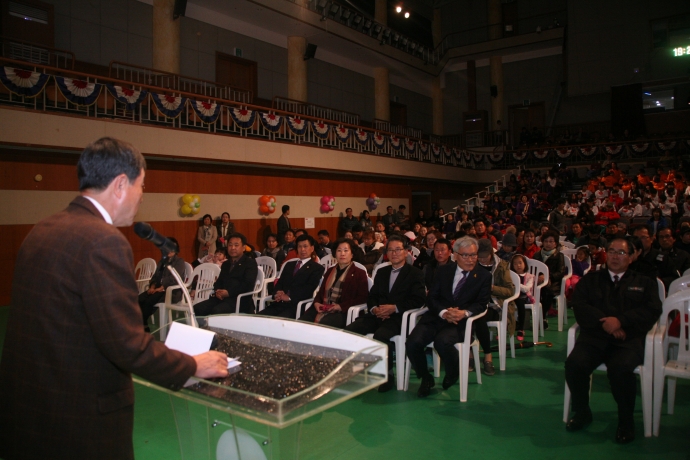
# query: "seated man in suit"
[297,282]
[397,288]
[615,309]
[237,276]
[459,291]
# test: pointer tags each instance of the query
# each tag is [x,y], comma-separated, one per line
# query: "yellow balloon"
[196,210]
[196,198]
[186,209]
[187,198]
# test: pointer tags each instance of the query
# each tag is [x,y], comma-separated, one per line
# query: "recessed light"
[398,9]
[407,14]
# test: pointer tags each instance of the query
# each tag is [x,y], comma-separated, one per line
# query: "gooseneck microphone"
[145,231]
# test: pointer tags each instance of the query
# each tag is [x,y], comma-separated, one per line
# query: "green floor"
[514,414]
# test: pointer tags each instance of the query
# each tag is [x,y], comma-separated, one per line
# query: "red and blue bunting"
[271,121]
[666,145]
[640,148]
[170,106]
[79,92]
[467,156]
[320,129]
[395,142]
[446,151]
[423,147]
[298,126]
[457,154]
[131,98]
[343,134]
[495,157]
[409,146]
[564,152]
[436,150]
[23,82]
[540,154]
[362,137]
[588,151]
[243,118]
[520,155]
[614,149]
[477,157]
[379,140]
[207,111]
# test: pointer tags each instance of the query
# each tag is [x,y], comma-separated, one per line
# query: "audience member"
[283,224]
[206,236]
[519,265]
[224,229]
[161,280]
[555,262]
[348,222]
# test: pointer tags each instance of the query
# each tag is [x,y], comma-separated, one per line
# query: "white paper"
[190,340]
[308,222]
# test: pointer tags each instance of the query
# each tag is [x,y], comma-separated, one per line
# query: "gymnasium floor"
[515,414]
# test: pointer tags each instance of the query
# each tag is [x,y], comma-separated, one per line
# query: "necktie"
[298,265]
[456,291]
[615,281]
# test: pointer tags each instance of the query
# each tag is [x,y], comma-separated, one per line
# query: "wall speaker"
[494,91]
[180,8]
[310,51]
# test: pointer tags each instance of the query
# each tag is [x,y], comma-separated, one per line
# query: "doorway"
[237,72]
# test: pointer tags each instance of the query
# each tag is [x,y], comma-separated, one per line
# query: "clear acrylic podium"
[290,371]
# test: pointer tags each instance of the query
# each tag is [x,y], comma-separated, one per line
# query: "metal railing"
[397,129]
[315,110]
[153,77]
[21,50]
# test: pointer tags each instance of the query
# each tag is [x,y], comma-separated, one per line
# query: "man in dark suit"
[397,288]
[615,309]
[75,332]
[283,224]
[460,290]
[237,276]
[298,281]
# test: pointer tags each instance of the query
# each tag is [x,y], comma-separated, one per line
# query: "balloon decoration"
[267,204]
[191,204]
[373,201]
[327,203]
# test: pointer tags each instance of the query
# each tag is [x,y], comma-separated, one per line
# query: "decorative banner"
[243,118]
[79,92]
[379,140]
[362,136]
[520,155]
[320,129]
[343,134]
[23,82]
[467,156]
[457,153]
[588,151]
[207,111]
[446,151]
[395,142]
[131,98]
[190,204]
[540,154]
[436,150]
[495,156]
[563,152]
[477,157]
[373,201]
[170,106]
[410,146]
[271,121]
[640,148]
[298,126]
[614,149]
[327,203]
[666,145]
[267,204]
[423,147]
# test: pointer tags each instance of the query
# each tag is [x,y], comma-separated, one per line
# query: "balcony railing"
[144,75]
[314,110]
[397,129]
[21,50]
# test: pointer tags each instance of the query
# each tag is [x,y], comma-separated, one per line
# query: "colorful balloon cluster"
[191,204]
[267,204]
[327,203]
[373,201]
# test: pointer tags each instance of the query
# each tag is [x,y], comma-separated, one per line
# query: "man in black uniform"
[615,309]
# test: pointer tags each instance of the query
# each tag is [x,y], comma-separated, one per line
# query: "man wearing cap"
[459,291]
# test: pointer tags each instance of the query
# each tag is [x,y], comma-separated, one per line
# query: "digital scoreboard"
[681,51]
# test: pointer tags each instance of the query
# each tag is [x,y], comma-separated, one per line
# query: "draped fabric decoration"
[131,98]
[640,148]
[540,154]
[446,151]
[564,152]
[410,146]
[343,134]
[379,140]
[495,157]
[170,106]
[207,111]
[457,154]
[362,137]
[298,126]
[271,121]
[666,145]
[395,142]
[23,82]
[320,129]
[588,151]
[423,147]
[243,118]
[614,149]
[436,150]
[477,157]
[467,156]
[520,155]
[79,92]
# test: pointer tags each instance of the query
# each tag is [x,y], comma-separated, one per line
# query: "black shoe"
[625,433]
[489,368]
[579,421]
[450,380]
[389,385]
[470,366]
[426,386]
[546,325]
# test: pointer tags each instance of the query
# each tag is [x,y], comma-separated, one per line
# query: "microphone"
[145,231]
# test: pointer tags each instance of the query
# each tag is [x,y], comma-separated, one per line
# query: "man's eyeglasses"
[395,251]
[466,256]
[613,252]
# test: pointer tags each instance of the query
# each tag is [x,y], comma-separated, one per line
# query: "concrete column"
[437,106]
[166,37]
[471,86]
[495,20]
[382,99]
[436,30]
[381,12]
[496,64]
[297,69]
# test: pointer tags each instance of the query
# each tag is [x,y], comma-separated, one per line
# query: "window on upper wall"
[658,100]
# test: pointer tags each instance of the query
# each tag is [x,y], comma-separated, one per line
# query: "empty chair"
[143,272]
[270,269]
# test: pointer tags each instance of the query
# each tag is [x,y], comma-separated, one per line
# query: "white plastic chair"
[143,273]
[258,286]
[376,268]
[537,268]
[562,238]
[567,244]
[328,261]
[665,367]
[502,325]
[415,251]
[270,269]
[680,284]
[560,298]
[464,356]
[265,298]
[354,311]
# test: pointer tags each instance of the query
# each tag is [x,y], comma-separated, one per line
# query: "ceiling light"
[398,9]
[648,94]
[407,14]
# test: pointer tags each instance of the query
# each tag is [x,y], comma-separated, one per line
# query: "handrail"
[56,53]
[397,129]
[326,112]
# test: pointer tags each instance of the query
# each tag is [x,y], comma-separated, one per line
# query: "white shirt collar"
[101,209]
[304,261]
[620,275]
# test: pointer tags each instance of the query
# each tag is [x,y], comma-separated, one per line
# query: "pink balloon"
[324,199]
